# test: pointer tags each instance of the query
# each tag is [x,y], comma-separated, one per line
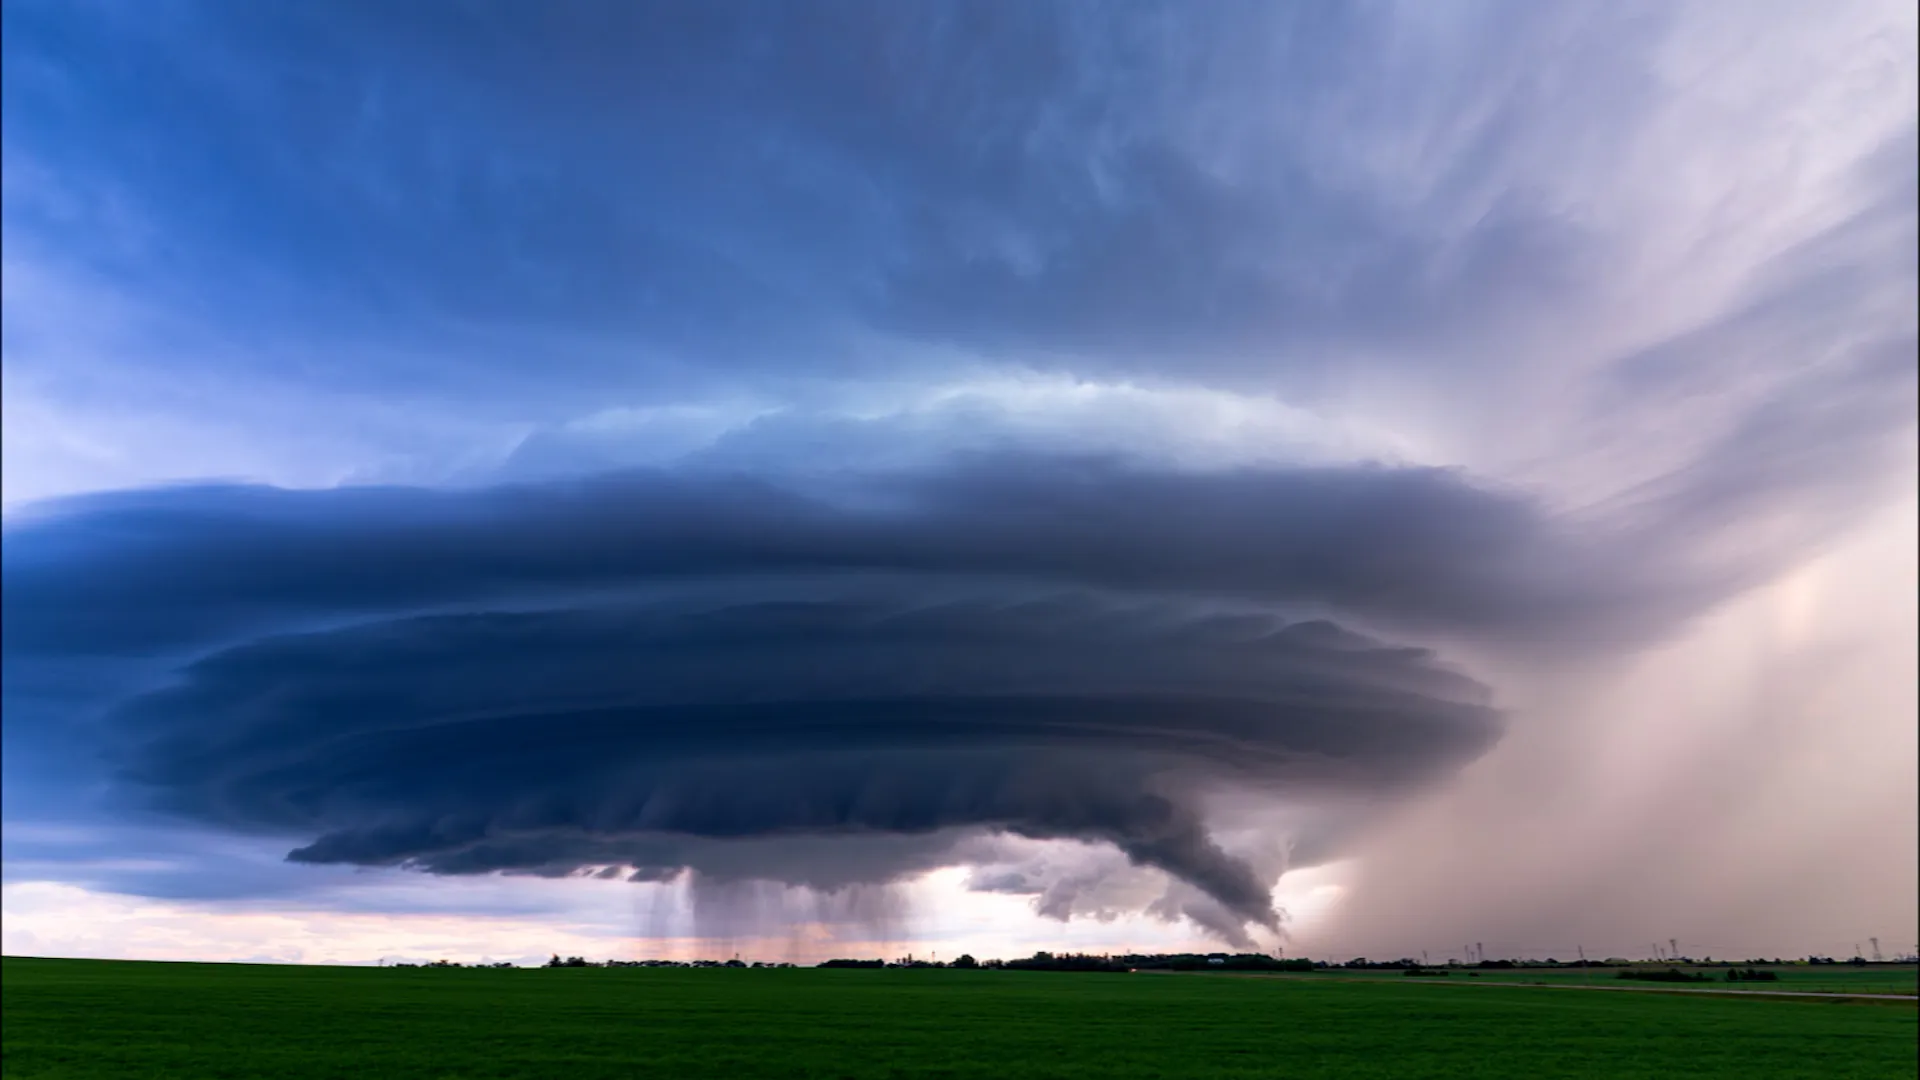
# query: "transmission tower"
[1875,942]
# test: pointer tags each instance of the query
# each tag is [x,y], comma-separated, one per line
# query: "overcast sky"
[487,479]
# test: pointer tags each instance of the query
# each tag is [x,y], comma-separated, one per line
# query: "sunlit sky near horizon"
[483,479]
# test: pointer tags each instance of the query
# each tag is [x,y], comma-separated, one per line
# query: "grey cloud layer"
[146,571]
[468,694]
[559,740]
[474,681]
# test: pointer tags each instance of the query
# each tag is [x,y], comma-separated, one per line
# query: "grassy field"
[80,1018]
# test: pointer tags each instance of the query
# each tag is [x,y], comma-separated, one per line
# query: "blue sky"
[1130,470]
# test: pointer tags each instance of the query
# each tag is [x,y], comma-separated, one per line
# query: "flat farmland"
[81,1018]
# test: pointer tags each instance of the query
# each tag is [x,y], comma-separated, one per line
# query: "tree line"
[1737,970]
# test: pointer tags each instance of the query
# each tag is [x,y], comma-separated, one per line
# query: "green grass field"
[79,1018]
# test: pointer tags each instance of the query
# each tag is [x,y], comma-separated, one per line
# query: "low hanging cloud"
[551,742]
[149,572]
[829,682]
[825,687]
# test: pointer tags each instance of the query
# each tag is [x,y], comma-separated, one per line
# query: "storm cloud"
[825,681]
[1129,453]
[1061,651]
[143,572]
[557,741]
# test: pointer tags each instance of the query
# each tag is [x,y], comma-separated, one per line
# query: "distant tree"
[1671,974]
[966,960]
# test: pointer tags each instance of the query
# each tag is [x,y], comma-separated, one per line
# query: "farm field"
[81,1018]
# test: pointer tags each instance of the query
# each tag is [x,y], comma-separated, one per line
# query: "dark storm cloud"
[555,741]
[144,571]
[471,695]
[559,677]
[761,236]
